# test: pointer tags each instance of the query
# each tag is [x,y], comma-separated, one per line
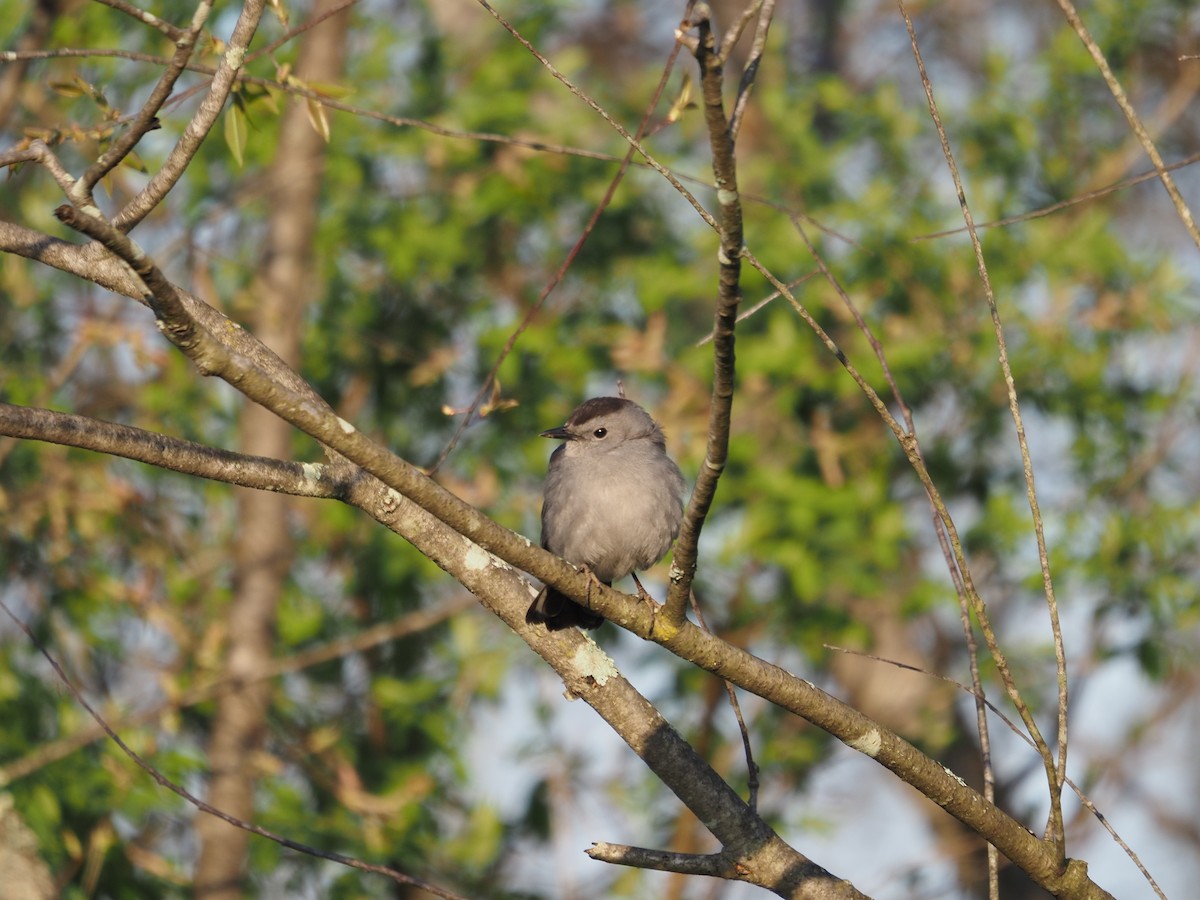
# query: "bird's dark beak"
[559,434]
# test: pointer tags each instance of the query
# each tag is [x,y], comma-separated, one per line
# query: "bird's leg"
[592,579]
[643,594]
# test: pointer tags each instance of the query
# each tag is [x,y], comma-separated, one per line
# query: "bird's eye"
[600,433]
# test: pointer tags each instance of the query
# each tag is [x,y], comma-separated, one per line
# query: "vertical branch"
[729,256]
[1055,774]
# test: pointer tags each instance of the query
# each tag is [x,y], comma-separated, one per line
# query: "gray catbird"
[613,501]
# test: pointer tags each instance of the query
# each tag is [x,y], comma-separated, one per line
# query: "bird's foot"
[593,579]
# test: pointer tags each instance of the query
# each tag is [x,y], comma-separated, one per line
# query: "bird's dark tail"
[557,611]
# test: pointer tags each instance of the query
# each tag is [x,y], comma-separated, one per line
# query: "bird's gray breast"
[615,511]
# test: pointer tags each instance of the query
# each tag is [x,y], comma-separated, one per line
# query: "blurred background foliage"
[448,752]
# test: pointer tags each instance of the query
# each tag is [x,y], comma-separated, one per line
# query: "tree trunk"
[263,546]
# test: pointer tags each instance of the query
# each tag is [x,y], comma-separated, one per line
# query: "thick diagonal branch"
[431,504]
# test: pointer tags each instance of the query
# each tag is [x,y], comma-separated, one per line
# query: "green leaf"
[318,117]
[235,132]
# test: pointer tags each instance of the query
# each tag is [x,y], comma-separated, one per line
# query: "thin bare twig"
[911,452]
[174,454]
[325,100]
[603,113]
[939,528]
[751,765]
[38,151]
[1085,197]
[174,32]
[201,123]
[734,32]
[774,295]
[147,117]
[1131,116]
[983,701]
[750,73]
[59,375]
[561,273]
[1055,774]
[297,30]
[377,634]
[163,781]
[978,694]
